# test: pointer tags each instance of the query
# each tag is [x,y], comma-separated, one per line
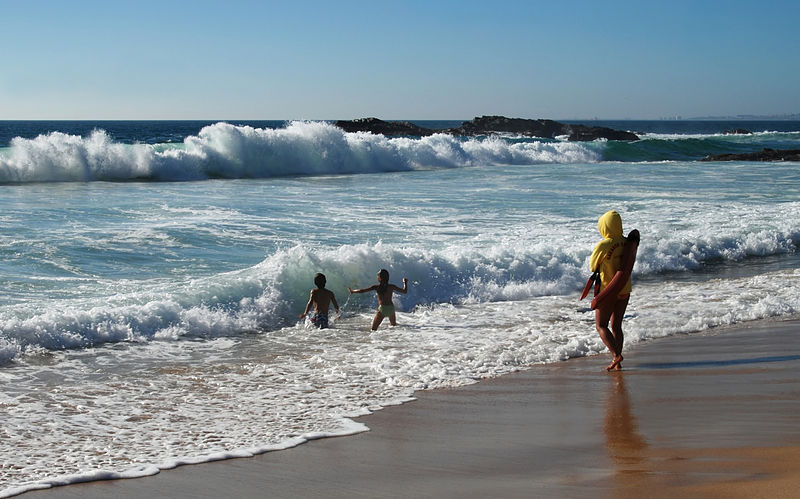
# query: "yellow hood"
[610,225]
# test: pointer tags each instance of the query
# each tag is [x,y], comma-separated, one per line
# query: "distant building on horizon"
[754,117]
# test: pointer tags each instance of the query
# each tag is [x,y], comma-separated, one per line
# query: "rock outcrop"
[762,155]
[548,129]
[375,125]
[488,125]
[589,133]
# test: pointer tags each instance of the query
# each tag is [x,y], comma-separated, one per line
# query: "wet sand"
[704,415]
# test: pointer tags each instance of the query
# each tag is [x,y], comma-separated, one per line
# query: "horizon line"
[741,117]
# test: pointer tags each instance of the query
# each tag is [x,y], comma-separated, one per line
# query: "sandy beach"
[704,415]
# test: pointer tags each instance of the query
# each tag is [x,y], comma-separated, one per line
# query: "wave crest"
[270,295]
[223,150]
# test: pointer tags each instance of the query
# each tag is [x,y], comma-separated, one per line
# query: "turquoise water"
[149,323]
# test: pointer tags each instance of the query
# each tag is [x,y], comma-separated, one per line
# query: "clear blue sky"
[407,59]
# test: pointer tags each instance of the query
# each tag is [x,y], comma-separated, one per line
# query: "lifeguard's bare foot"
[615,365]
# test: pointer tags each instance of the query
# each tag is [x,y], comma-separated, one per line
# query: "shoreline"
[710,413]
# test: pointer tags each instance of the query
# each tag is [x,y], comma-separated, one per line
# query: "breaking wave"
[269,295]
[223,150]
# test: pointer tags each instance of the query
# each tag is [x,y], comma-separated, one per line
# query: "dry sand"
[704,415]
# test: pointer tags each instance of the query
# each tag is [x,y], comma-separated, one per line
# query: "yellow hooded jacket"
[607,255]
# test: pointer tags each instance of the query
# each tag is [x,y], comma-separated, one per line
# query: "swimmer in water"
[385,305]
[321,298]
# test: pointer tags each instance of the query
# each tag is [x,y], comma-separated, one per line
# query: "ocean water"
[153,273]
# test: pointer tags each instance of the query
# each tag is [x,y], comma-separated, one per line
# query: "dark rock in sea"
[737,131]
[589,133]
[548,129]
[376,126]
[487,125]
[763,155]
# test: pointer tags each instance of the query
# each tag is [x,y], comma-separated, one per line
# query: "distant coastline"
[751,117]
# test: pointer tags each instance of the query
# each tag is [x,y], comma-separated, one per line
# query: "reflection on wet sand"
[625,446]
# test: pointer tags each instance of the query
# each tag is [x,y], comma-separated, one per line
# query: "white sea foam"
[268,295]
[754,135]
[188,402]
[223,150]
[152,325]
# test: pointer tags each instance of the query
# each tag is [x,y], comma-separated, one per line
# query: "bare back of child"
[321,300]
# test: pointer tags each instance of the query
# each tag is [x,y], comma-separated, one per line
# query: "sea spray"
[148,324]
[223,150]
[267,296]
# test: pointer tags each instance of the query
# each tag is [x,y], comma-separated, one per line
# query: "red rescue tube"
[594,277]
[621,277]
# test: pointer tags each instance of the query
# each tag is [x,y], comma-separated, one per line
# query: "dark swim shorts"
[319,320]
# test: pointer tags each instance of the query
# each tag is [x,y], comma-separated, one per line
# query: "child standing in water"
[322,299]
[384,290]
[607,259]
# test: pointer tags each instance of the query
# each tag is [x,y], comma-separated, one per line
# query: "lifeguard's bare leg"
[616,326]
[602,315]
